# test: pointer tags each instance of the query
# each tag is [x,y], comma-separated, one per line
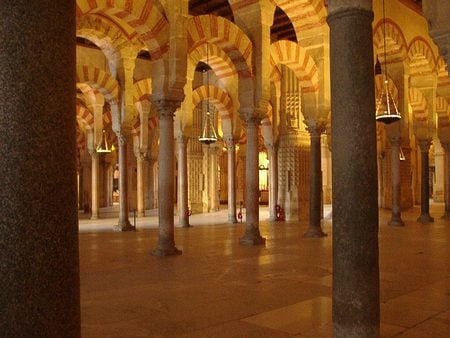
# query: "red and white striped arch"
[292,55]
[132,17]
[304,14]
[419,105]
[443,73]
[85,117]
[217,59]
[443,112]
[220,98]
[142,90]
[396,46]
[421,57]
[225,35]
[100,80]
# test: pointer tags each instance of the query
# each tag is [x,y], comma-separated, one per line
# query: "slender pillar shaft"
[140,185]
[231,157]
[94,185]
[166,172]
[124,222]
[356,307]
[273,182]
[252,235]
[183,201]
[425,183]
[315,190]
[396,218]
[39,266]
[446,147]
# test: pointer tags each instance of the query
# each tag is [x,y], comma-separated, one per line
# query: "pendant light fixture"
[386,109]
[102,146]
[209,134]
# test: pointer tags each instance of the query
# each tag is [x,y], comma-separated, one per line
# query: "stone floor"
[218,288]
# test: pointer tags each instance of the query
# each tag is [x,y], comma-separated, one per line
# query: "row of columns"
[47,297]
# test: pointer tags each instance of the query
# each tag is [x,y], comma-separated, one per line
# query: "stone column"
[124,222]
[425,183]
[183,202]
[94,185]
[273,181]
[315,191]
[231,157]
[140,184]
[446,147]
[166,173]
[356,303]
[252,235]
[396,218]
[39,266]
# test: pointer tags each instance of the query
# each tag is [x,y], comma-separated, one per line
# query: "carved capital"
[166,108]
[316,127]
[424,145]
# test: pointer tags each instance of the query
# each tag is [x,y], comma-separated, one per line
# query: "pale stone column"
[140,184]
[213,178]
[356,299]
[273,181]
[438,184]
[396,218]
[166,173]
[315,129]
[39,264]
[446,147]
[231,157]
[124,222]
[94,184]
[80,187]
[425,217]
[252,235]
[183,201]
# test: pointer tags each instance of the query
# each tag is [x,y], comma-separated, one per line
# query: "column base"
[396,222]
[166,251]
[94,216]
[232,219]
[425,218]
[185,225]
[314,232]
[140,214]
[124,226]
[252,238]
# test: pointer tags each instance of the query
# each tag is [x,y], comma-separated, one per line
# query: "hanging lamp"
[209,134]
[102,146]
[386,109]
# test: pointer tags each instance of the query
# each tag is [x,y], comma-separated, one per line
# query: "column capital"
[424,145]
[182,140]
[229,142]
[166,108]
[253,121]
[315,127]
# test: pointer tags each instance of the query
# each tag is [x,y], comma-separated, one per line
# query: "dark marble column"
[252,235]
[94,184]
[183,203]
[315,191]
[356,304]
[446,147]
[425,183]
[39,267]
[231,159]
[124,221]
[396,218]
[273,181]
[166,173]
